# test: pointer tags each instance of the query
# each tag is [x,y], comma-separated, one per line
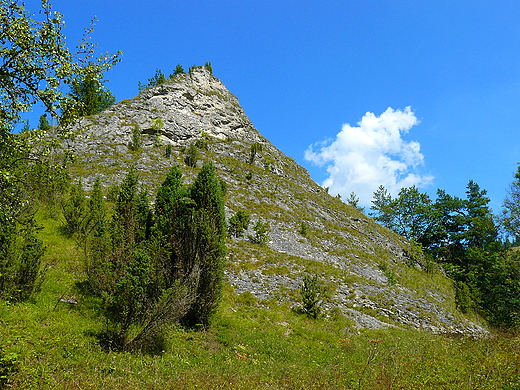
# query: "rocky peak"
[189,106]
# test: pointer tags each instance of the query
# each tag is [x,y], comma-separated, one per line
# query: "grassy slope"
[286,200]
[252,345]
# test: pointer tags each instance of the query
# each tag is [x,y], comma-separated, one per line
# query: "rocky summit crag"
[368,273]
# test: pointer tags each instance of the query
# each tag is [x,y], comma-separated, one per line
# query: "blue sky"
[440,80]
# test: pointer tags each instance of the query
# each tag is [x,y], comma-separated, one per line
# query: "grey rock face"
[368,270]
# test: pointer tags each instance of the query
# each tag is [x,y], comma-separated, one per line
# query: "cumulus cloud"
[363,157]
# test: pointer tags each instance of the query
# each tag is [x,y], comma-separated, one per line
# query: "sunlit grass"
[252,344]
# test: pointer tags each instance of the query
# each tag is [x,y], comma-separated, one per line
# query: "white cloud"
[363,157]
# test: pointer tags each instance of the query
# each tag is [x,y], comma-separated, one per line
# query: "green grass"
[252,344]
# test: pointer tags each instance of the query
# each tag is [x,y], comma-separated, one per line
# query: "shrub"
[302,229]
[21,253]
[148,275]
[192,156]
[178,70]
[157,125]
[209,67]
[75,209]
[136,142]
[464,297]
[168,151]
[311,294]
[255,148]
[261,235]
[210,226]
[238,223]
[8,366]
[157,79]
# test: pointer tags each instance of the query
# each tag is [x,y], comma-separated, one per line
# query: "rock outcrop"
[370,273]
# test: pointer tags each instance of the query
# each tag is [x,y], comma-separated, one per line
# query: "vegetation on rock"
[143,277]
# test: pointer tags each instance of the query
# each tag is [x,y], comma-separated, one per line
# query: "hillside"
[371,275]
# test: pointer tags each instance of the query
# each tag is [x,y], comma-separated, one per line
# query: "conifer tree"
[511,208]
[174,230]
[210,222]
[92,95]
[43,123]
[382,207]
[178,70]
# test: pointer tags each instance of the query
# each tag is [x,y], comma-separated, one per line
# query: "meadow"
[52,343]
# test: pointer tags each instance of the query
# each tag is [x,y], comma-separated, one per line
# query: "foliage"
[168,151]
[88,90]
[311,294]
[154,269]
[353,200]
[8,366]
[510,217]
[262,230]
[43,123]
[136,142]
[75,209]
[382,210]
[303,228]
[157,79]
[21,272]
[210,219]
[412,214]
[461,235]
[255,148]
[20,249]
[209,67]
[464,298]
[35,64]
[178,70]
[192,156]
[238,224]
[157,125]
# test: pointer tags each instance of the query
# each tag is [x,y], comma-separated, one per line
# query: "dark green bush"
[8,366]
[168,151]
[262,230]
[157,79]
[151,269]
[255,148]
[136,142]
[238,224]
[192,156]
[311,294]
[303,228]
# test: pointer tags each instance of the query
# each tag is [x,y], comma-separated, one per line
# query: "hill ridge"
[370,273]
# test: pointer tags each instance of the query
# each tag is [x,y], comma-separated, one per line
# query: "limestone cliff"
[371,274]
